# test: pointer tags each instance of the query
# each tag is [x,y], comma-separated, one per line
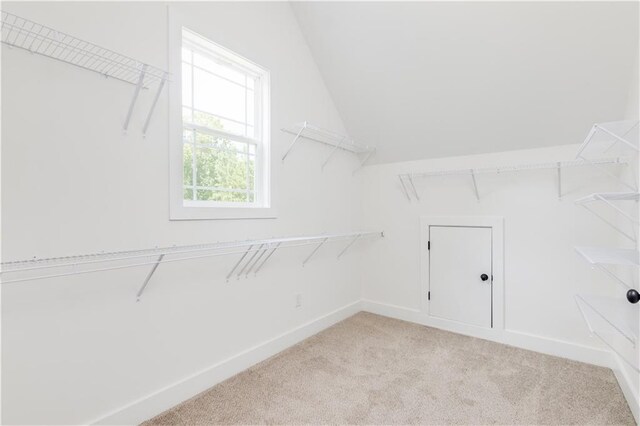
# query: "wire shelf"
[609,196]
[620,316]
[335,140]
[36,38]
[607,137]
[609,256]
[252,251]
[611,319]
[613,138]
[610,199]
[42,40]
[602,257]
[408,186]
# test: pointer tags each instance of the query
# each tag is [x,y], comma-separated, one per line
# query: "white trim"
[621,371]
[545,345]
[171,395]
[178,210]
[496,223]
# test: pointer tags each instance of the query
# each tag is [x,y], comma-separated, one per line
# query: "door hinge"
[428,245]
[428,295]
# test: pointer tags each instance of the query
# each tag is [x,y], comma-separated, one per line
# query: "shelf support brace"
[250,260]
[238,262]
[614,276]
[314,251]
[266,249]
[344,250]
[135,96]
[362,163]
[413,187]
[559,181]
[304,126]
[155,101]
[266,258]
[149,275]
[608,173]
[475,184]
[605,220]
[335,148]
[404,188]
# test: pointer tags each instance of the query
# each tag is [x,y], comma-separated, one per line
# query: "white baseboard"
[545,345]
[171,395]
[629,390]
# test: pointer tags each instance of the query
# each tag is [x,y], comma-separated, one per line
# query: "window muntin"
[223,147]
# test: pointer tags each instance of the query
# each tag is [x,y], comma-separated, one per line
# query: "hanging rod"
[82,264]
[308,131]
[406,179]
[42,40]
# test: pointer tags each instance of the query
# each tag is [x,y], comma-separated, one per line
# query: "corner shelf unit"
[407,179]
[611,138]
[254,255]
[611,320]
[610,199]
[600,257]
[313,133]
[42,40]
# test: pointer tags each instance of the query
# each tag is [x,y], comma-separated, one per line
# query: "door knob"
[633,296]
[484,277]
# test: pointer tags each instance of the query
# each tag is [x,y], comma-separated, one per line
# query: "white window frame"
[181,209]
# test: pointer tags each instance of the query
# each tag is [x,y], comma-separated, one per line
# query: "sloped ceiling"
[434,79]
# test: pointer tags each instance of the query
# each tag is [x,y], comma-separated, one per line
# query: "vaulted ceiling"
[434,79]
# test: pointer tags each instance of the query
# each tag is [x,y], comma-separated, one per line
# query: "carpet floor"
[370,369]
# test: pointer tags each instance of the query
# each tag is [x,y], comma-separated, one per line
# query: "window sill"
[221,213]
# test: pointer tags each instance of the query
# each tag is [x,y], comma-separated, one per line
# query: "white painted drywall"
[542,271]
[440,79]
[75,349]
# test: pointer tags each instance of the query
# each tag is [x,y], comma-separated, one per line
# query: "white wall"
[78,348]
[542,270]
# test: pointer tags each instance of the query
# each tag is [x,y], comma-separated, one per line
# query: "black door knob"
[633,296]
[484,277]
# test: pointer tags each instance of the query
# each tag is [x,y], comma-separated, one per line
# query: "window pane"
[220,143]
[186,85]
[187,168]
[186,115]
[211,121]
[188,194]
[218,96]
[223,71]
[221,169]
[214,195]
[186,55]
[252,172]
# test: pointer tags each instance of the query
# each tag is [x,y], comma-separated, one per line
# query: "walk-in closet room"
[320,213]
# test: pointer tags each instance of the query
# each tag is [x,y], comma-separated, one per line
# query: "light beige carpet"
[370,369]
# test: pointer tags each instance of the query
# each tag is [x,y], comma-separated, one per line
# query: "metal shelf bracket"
[149,275]
[344,250]
[314,251]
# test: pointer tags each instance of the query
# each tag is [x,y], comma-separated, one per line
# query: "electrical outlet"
[298,300]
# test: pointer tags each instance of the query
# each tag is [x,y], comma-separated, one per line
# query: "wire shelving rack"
[335,140]
[408,187]
[254,255]
[39,39]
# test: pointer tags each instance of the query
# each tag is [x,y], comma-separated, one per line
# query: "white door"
[460,274]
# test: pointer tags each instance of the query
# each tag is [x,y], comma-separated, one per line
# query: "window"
[225,129]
